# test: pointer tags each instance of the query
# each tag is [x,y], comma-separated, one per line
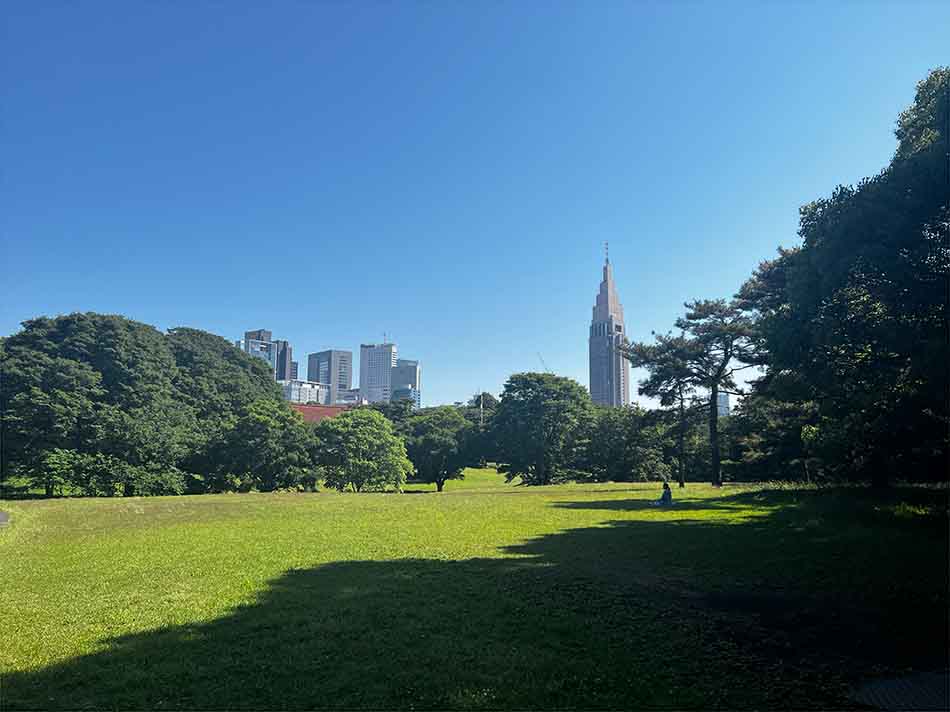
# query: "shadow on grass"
[635,614]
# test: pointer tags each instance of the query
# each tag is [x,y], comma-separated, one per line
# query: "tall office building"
[258,335]
[293,370]
[609,370]
[259,343]
[376,368]
[285,359]
[406,381]
[722,404]
[333,367]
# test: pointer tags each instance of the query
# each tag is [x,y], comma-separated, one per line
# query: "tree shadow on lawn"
[633,614]
[846,504]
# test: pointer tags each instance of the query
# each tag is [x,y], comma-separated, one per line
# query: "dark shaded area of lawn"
[786,610]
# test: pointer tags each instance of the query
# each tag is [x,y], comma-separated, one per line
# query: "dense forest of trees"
[847,333]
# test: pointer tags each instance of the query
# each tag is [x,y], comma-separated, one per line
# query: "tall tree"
[396,412]
[670,381]
[717,341]
[538,425]
[111,395]
[438,445]
[858,314]
[624,445]
[358,449]
[267,448]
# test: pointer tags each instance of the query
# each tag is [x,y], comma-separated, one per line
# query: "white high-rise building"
[407,381]
[722,404]
[305,392]
[376,367]
[609,370]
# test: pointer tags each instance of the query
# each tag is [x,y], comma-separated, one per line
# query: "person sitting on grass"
[666,499]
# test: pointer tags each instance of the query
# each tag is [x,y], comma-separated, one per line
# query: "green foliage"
[625,444]
[484,401]
[438,445]
[539,425]
[774,440]
[137,411]
[267,448]
[359,450]
[216,378]
[856,318]
[101,475]
[396,412]
[717,341]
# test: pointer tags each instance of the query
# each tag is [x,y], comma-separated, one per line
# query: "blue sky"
[444,172]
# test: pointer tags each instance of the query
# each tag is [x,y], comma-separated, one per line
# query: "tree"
[90,383]
[438,445]
[396,412]
[538,426]
[717,341]
[483,401]
[624,445]
[358,449]
[215,377]
[669,380]
[268,448]
[857,315]
[770,437]
[121,403]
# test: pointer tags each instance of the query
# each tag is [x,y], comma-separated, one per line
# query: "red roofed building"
[316,413]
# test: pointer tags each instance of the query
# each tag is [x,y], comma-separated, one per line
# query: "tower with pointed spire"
[609,370]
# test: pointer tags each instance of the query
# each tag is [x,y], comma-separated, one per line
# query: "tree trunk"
[681,446]
[716,475]
[542,471]
[49,488]
[439,484]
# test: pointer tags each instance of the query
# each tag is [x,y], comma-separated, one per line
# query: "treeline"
[99,405]
[850,330]
[847,336]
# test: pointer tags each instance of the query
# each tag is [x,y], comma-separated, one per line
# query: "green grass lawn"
[485,596]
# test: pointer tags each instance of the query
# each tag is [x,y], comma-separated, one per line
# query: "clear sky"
[446,172]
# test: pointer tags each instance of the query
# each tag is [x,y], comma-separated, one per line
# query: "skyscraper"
[376,367]
[722,405]
[609,370]
[284,367]
[406,381]
[333,367]
[258,343]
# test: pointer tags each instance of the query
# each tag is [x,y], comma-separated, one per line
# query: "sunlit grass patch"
[487,595]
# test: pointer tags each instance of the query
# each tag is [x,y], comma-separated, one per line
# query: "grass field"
[485,596]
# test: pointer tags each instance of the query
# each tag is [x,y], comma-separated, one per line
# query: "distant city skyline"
[446,173]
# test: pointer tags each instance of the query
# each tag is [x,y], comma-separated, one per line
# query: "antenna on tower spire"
[606,252]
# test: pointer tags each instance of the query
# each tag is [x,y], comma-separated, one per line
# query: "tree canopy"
[538,426]
[359,450]
[87,394]
[438,444]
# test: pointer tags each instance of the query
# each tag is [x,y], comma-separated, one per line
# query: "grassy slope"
[485,596]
